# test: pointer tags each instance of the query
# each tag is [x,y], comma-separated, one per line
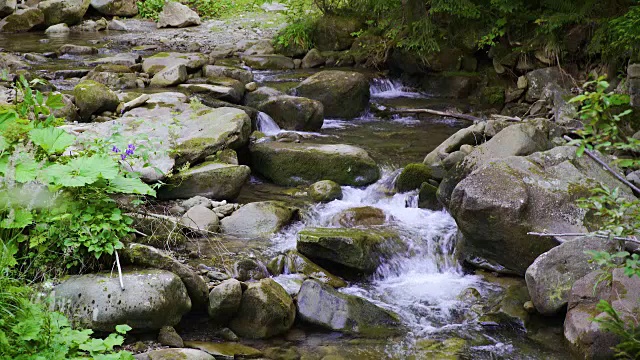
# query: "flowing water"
[267,125]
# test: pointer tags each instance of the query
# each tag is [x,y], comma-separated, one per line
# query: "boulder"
[295,163]
[149,256]
[428,198]
[334,33]
[115,7]
[499,202]
[359,216]
[269,62]
[96,301]
[412,177]
[249,269]
[449,85]
[7,7]
[539,80]
[124,59]
[260,95]
[472,135]
[22,21]
[225,350]
[552,275]
[294,113]
[313,59]
[156,63]
[257,220]
[242,75]
[266,310]
[93,98]
[344,94]
[72,49]
[177,15]
[201,218]
[262,47]
[325,191]
[357,249]
[215,92]
[296,263]
[169,337]
[172,354]
[114,79]
[69,12]
[213,180]
[321,305]
[224,301]
[170,76]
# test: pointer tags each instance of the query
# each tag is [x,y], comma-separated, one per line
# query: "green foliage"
[627,330]
[296,34]
[150,9]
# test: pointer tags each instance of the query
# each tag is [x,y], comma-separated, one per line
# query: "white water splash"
[267,125]
[386,88]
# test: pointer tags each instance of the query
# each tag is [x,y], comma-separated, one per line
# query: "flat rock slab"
[226,351]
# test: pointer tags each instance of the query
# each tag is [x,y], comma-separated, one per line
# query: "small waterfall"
[267,125]
[387,88]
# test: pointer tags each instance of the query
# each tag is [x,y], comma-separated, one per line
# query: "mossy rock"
[93,98]
[428,198]
[69,12]
[325,191]
[294,262]
[412,177]
[360,216]
[344,94]
[449,349]
[22,21]
[334,33]
[493,96]
[211,179]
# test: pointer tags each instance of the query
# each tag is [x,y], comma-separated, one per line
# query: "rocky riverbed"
[305,218]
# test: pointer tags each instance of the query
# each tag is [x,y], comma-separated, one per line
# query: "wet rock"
[427,197]
[96,301]
[344,94]
[354,248]
[143,255]
[472,135]
[69,12]
[117,25]
[115,7]
[213,180]
[94,98]
[313,59]
[294,113]
[325,191]
[170,76]
[282,353]
[412,177]
[22,21]
[124,59]
[359,216]
[262,94]
[217,92]
[199,217]
[294,263]
[269,62]
[12,62]
[321,305]
[224,301]
[117,77]
[193,61]
[249,269]
[57,29]
[257,219]
[552,275]
[266,310]
[226,351]
[539,80]
[196,201]
[295,163]
[169,337]
[333,32]
[7,7]
[262,47]
[509,310]
[177,15]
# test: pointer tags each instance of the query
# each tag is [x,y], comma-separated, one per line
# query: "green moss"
[493,95]
[161,55]
[412,177]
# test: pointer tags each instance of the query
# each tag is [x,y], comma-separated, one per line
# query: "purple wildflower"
[115,149]
[123,156]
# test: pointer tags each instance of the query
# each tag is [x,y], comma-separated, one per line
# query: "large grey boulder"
[115,7]
[116,77]
[257,219]
[298,163]
[177,15]
[211,179]
[586,336]
[502,200]
[269,62]
[93,98]
[552,275]
[96,301]
[224,301]
[200,218]
[149,256]
[294,113]
[7,7]
[539,80]
[321,305]
[170,76]
[242,75]
[156,63]
[22,21]
[344,94]
[230,94]
[69,12]
[296,263]
[325,191]
[266,310]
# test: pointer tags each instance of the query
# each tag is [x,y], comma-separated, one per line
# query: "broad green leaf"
[18,219]
[52,140]
[26,170]
[4,144]
[96,166]
[7,118]
[123,329]
[54,101]
[126,185]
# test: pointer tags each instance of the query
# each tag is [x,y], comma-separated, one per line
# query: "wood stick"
[629,239]
[439,113]
[618,176]
[119,270]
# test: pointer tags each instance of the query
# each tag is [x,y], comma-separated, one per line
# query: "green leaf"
[26,170]
[17,219]
[83,170]
[7,118]
[55,101]
[127,185]
[123,329]
[4,144]
[52,140]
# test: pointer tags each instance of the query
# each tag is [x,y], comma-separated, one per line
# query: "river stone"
[412,177]
[22,21]
[224,301]
[96,301]
[193,61]
[94,98]
[76,50]
[313,59]
[539,80]
[7,7]
[170,76]
[334,33]
[196,201]
[177,15]
[169,337]
[294,113]
[242,75]
[256,98]
[125,59]
[262,47]
[359,216]
[325,191]
[552,275]
[58,29]
[295,164]
[294,263]
[115,7]
[499,203]
[201,218]
[69,12]
[174,354]
[216,92]
[226,350]
[257,219]
[344,94]
[149,256]
[357,249]
[113,80]
[266,310]
[12,63]
[210,179]
[269,62]
[428,198]
[249,269]
[321,305]
[472,135]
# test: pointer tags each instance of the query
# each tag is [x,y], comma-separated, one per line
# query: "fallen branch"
[439,113]
[629,239]
[618,176]
[119,270]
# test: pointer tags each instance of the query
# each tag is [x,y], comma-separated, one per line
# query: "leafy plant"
[150,9]
[628,331]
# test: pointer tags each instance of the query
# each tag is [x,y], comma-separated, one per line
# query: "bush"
[150,9]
